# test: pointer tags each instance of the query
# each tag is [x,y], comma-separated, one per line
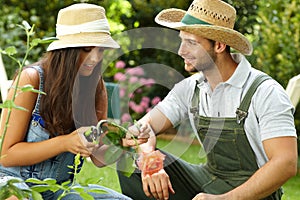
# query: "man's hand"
[139,131]
[157,185]
[138,134]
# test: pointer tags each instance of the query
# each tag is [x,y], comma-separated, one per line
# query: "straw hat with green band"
[211,19]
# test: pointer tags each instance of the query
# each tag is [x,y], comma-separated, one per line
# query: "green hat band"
[189,19]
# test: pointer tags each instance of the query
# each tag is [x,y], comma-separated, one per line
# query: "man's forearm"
[281,166]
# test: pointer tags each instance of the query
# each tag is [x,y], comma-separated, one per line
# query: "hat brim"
[172,18]
[84,40]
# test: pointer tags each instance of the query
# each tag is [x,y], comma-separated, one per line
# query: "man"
[242,117]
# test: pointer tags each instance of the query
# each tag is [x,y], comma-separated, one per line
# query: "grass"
[107,176]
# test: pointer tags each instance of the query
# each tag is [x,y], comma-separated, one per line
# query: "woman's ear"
[220,47]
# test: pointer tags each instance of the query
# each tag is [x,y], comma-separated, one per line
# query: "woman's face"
[89,58]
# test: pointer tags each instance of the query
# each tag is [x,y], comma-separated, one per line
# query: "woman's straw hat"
[211,19]
[81,25]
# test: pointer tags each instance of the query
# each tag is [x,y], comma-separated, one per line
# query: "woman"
[42,141]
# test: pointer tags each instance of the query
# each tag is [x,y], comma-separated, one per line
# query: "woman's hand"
[76,142]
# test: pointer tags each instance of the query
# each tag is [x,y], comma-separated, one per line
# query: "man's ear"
[220,47]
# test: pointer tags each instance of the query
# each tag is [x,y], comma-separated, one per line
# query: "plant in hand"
[112,135]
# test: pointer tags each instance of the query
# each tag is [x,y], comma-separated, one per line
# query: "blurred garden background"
[273,27]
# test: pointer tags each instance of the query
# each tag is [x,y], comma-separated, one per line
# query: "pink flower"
[136,108]
[125,117]
[122,92]
[139,90]
[138,71]
[133,79]
[144,104]
[155,101]
[139,109]
[131,104]
[146,99]
[119,76]
[147,82]
[131,95]
[120,64]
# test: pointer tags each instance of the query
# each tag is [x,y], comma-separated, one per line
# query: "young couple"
[240,115]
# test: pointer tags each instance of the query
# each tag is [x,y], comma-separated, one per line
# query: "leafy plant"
[10,52]
[67,187]
[8,188]
[113,134]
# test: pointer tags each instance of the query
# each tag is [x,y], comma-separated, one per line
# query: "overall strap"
[242,111]
[195,100]
[41,88]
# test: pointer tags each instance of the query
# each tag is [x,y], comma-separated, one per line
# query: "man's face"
[197,52]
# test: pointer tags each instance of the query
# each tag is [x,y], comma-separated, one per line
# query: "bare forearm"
[282,165]
[158,121]
[263,183]
[24,153]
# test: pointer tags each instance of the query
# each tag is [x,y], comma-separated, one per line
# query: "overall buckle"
[240,115]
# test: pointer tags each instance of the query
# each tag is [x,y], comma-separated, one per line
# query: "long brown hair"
[71,100]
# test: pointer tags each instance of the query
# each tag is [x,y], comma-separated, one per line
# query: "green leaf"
[77,160]
[10,190]
[10,51]
[4,193]
[12,181]
[114,138]
[30,88]
[86,196]
[48,40]
[97,190]
[35,42]
[50,181]
[40,188]
[36,196]
[66,183]
[34,180]
[88,132]
[11,104]
[106,140]
[78,189]
[112,154]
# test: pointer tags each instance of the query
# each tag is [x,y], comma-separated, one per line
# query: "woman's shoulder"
[30,76]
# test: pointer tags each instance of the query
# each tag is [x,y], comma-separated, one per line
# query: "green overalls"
[229,154]
[230,158]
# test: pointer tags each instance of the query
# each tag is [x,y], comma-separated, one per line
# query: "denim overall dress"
[229,153]
[230,158]
[56,167]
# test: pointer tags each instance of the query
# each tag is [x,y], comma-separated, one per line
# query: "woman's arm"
[17,152]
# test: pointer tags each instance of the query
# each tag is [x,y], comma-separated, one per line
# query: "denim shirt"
[56,167]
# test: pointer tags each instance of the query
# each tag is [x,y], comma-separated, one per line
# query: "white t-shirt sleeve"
[175,105]
[274,111]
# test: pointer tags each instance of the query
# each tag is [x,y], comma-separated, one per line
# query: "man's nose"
[182,49]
